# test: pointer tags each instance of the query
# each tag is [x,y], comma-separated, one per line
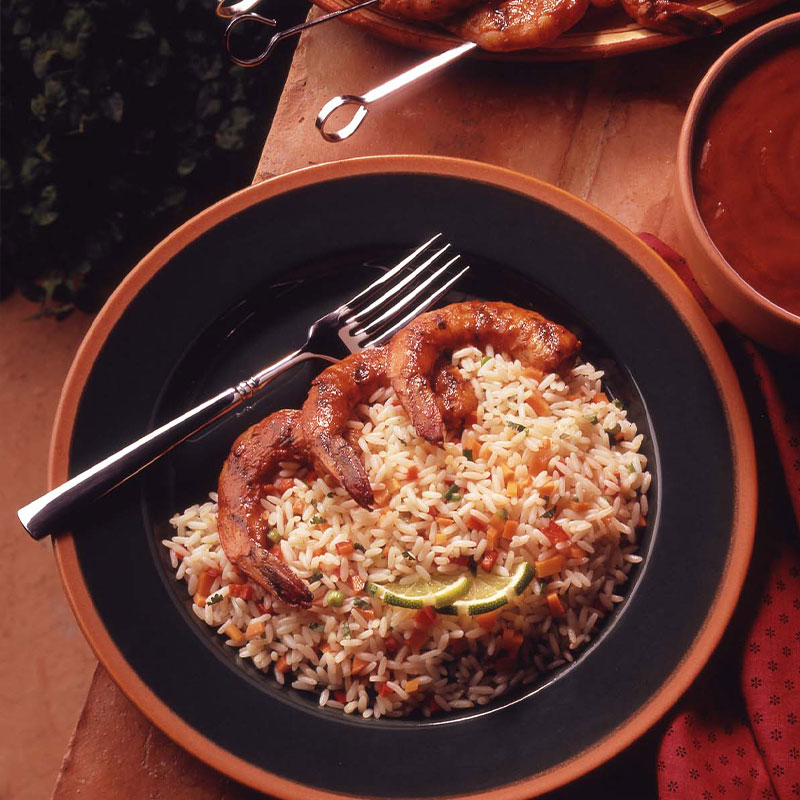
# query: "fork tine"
[363,297]
[380,303]
[425,304]
[393,310]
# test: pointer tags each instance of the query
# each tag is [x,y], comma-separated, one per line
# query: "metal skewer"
[379,92]
[241,13]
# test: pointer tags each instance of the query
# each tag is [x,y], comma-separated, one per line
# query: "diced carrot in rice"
[205,582]
[549,566]
[381,497]
[413,473]
[510,528]
[576,552]
[255,629]
[234,634]
[511,489]
[538,404]
[492,535]
[281,665]
[412,685]
[600,397]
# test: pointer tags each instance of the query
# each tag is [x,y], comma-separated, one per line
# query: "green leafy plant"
[121,118]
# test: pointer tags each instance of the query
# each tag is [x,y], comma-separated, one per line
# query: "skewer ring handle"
[332,105]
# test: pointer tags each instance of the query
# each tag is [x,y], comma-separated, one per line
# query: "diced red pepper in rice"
[283,484]
[576,552]
[243,590]
[413,473]
[425,617]
[554,604]
[340,697]
[487,621]
[506,664]
[462,561]
[489,557]
[418,637]
[457,646]
[385,690]
[555,533]
[476,522]
[391,645]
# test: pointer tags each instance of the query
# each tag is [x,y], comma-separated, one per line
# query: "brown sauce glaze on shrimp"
[253,459]
[414,350]
[335,393]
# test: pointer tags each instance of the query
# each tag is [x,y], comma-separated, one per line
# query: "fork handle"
[54,510]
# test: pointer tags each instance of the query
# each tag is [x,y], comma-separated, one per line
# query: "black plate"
[237,296]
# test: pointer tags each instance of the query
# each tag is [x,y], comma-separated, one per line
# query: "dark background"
[120,120]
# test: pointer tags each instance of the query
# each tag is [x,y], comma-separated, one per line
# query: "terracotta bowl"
[739,302]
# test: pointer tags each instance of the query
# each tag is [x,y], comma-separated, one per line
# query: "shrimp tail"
[667,16]
[269,571]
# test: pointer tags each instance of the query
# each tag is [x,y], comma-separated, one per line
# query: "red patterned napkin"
[742,741]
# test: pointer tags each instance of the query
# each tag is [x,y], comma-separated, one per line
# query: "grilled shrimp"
[334,393]
[429,10]
[337,390]
[667,16]
[503,25]
[242,528]
[413,351]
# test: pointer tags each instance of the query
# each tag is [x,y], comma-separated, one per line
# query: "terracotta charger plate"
[600,34]
[235,288]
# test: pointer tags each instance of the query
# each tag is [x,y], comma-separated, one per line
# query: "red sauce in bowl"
[747,177]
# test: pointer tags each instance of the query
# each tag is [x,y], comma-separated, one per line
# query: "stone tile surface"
[46,665]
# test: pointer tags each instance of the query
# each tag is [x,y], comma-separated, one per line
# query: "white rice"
[591,486]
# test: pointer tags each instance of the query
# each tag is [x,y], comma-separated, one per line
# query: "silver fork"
[369,319]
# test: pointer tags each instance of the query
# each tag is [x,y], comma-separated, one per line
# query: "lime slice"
[440,591]
[489,592]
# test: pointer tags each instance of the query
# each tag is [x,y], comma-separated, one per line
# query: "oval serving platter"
[236,287]
[600,34]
